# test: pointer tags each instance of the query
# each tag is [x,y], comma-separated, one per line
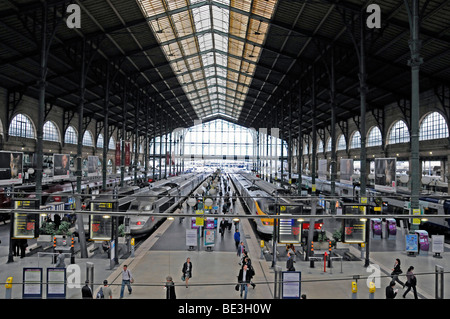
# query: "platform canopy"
[184,61]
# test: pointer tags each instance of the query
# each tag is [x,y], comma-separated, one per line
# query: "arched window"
[112,144]
[21,126]
[50,132]
[87,139]
[71,136]
[374,137]
[433,127]
[341,143]
[399,133]
[100,141]
[320,147]
[355,141]
[328,149]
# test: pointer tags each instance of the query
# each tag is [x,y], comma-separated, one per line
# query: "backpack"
[100,294]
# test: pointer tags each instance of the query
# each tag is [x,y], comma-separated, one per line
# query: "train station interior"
[148,132]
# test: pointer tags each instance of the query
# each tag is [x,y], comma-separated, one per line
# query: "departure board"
[354,228]
[100,226]
[25,225]
[289,229]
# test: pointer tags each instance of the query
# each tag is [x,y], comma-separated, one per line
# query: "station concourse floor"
[215,272]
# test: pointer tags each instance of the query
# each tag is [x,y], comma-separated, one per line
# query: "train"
[260,198]
[390,203]
[163,197]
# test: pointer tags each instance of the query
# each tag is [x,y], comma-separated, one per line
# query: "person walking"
[244,279]
[187,270]
[170,288]
[86,291]
[240,251]
[104,292]
[391,293]
[237,238]
[411,282]
[290,263]
[397,271]
[127,279]
[222,227]
[60,260]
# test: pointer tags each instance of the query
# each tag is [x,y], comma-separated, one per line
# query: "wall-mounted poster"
[61,165]
[346,171]
[322,170]
[385,175]
[11,168]
[92,165]
[117,154]
[127,153]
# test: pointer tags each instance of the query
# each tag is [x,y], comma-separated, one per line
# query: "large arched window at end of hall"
[342,145]
[220,138]
[87,139]
[21,126]
[51,133]
[355,141]
[71,136]
[433,126]
[399,133]
[374,137]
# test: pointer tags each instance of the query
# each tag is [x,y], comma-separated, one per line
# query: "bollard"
[354,290]
[372,290]
[325,262]
[132,247]
[8,286]
[262,249]
[311,261]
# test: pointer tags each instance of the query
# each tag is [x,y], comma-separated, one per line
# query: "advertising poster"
[127,153]
[385,179]
[209,237]
[412,244]
[92,165]
[11,168]
[322,169]
[346,171]
[117,153]
[61,165]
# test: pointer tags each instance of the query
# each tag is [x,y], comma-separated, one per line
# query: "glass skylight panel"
[221,18]
[202,18]
[207,62]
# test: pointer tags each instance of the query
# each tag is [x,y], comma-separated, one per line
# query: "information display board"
[26,225]
[291,288]
[56,287]
[289,230]
[32,283]
[354,228]
[100,226]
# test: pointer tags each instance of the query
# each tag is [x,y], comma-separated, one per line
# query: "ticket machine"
[391,228]
[376,228]
[423,242]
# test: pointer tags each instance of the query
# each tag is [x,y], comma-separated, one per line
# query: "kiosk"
[424,244]
[391,228]
[376,228]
